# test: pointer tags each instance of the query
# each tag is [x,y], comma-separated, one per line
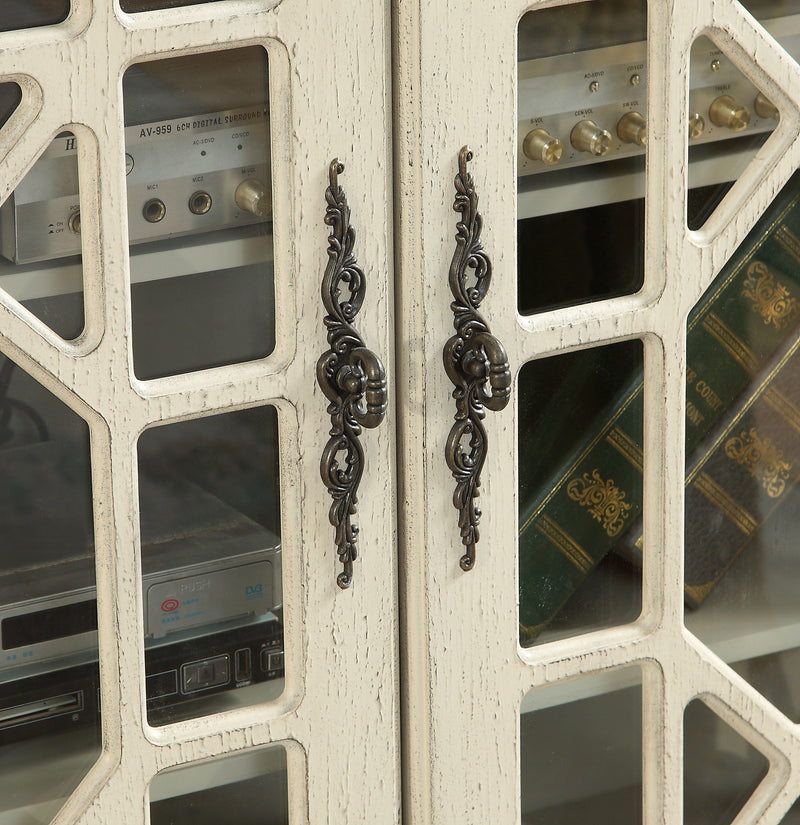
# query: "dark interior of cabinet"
[583,255]
[592,253]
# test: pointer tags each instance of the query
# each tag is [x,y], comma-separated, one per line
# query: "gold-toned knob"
[632,128]
[539,145]
[697,125]
[587,136]
[252,196]
[726,112]
[765,107]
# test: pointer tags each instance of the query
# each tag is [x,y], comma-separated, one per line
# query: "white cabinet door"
[194,357]
[602,714]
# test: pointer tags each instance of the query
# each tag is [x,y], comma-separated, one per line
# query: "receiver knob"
[539,145]
[587,136]
[765,107]
[726,112]
[252,196]
[632,128]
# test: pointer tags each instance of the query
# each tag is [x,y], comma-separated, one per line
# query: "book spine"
[725,504]
[579,514]
[743,478]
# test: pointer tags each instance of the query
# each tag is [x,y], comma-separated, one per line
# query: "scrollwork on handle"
[351,376]
[472,357]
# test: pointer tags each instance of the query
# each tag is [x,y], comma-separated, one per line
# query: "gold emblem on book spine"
[761,459]
[604,500]
[771,300]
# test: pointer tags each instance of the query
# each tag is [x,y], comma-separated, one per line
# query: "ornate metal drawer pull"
[351,376]
[472,357]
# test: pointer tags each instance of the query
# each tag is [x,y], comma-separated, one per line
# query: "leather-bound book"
[569,521]
[738,475]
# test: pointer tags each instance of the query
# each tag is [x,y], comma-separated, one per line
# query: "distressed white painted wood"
[465,676]
[338,716]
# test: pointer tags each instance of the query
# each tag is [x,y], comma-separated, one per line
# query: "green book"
[738,475]
[572,519]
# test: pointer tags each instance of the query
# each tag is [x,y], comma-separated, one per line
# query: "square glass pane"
[581,751]
[249,789]
[581,145]
[580,490]
[211,563]
[49,688]
[199,210]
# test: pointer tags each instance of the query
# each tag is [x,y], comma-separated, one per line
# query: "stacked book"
[742,436]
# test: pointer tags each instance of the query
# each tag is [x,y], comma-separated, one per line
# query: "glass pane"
[199,211]
[24,14]
[10,97]
[581,751]
[776,676]
[743,452]
[133,6]
[729,121]
[580,479]
[581,145]
[766,10]
[49,702]
[792,815]
[211,563]
[714,168]
[721,768]
[40,239]
[249,789]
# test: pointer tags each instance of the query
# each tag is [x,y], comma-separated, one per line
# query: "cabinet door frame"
[464,673]
[330,86]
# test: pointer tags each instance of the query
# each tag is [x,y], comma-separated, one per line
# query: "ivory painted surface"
[329,77]
[465,676]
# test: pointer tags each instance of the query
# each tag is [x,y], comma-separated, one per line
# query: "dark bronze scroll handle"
[351,376]
[473,358]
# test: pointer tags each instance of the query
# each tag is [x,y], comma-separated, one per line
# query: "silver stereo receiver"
[590,105]
[197,159]
[185,176]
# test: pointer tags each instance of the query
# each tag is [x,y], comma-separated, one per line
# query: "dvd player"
[176,672]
